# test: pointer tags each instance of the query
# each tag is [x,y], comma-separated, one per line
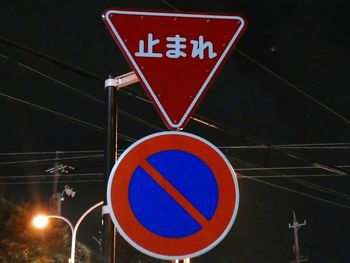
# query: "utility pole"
[296,226]
[55,200]
[57,197]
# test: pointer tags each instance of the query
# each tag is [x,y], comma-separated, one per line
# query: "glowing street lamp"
[41,221]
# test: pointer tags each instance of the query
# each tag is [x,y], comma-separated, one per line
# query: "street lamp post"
[41,222]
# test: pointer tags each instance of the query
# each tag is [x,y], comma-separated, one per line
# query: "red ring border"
[172,248]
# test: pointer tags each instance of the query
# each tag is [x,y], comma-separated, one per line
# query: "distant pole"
[55,174]
[296,226]
[57,197]
[55,200]
[110,156]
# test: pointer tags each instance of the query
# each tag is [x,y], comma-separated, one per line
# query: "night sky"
[281,101]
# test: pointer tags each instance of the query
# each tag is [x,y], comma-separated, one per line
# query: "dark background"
[285,83]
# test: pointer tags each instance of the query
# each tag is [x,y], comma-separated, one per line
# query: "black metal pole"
[110,154]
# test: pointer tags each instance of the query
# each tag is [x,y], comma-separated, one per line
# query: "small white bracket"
[122,81]
[105,210]
[111,82]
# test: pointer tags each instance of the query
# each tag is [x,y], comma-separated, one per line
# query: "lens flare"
[40,221]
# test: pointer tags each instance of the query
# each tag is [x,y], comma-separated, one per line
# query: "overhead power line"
[52,60]
[90,75]
[54,113]
[84,94]
[302,146]
[63,116]
[321,188]
[15,177]
[230,131]
[286,176]
[46,153]
[291,179]
[50,182]
[220,127]
[135,118]
[200,119]
[169,5]
[322,105]
[317,144]
[52,159]
[43,176]
[283,168]
[297,192]
[56,81]
[274,74]
[197,118]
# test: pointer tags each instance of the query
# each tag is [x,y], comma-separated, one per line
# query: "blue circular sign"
[190,176]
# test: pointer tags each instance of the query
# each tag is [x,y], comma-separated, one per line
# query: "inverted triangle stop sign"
[175,55]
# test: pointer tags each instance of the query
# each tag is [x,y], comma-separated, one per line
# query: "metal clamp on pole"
[112,82]
[122,81]
[105,210]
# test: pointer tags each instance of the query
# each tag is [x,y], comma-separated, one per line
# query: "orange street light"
[41,221]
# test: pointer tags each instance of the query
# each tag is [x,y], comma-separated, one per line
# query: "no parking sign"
[173,195]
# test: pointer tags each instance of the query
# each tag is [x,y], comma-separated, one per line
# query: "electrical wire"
[291,179]
[52,159]
[317,144]
[126,138]
[63,116]
[86,95]
[286,176]
[249,138]
[218,127]
[265,68]
[99,78]
[135,118]
[261,144]
[283,168]
[294,178]
[297,192]
[203,122]
[42,176]
[169,5]
[322,105]
[15,177]
[56,81]
[200,119]
[50,182]
[303,146]
[46,153]
[52,60]
[321,188]
[54,113]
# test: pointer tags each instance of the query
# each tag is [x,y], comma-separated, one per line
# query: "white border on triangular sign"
[149,88]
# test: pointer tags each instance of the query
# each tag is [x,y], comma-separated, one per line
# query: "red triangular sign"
[175,55]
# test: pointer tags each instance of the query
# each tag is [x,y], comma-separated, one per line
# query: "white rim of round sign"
[148,252]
